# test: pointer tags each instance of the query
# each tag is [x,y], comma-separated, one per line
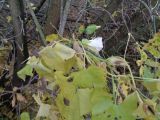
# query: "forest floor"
[118,40]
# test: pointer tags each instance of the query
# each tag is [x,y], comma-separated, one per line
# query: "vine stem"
[134,84]
[114,90]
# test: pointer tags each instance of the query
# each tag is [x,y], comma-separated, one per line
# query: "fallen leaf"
[21,98]
[13,100]
[51,37]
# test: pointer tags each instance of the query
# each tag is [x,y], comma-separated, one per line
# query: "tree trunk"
[20,48]
[53,17]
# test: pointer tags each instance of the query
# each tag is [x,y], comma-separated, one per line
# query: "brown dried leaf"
[21,98]
[14,100]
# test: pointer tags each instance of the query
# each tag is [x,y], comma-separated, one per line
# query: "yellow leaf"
[139,62]
[146,110]
[44,109]
[81,29]
[125,89]
[51,37]
[9,19]
[141,70]
[115,13]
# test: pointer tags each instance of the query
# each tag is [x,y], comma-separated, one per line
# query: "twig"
[61,11]
[150,10]
[129,37]
[39,6]
[36,10]
[38,26]
[114,89]
[64,18]
[155,8]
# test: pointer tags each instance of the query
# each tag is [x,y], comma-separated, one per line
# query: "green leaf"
[68,106]
[129,105]
[152,86]
[66,88]
[67,99]
[101,101]
[84,100]
[153,46]
[143,54]
[41,69]
[147,72]
[153,50]
[74,106]
[89,78]
[85,41]
[53,58]
[27,70]
[91,29]
[25,116]
[124,111]
[152,63]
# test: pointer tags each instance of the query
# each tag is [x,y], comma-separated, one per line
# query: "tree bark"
[53,17]
[20,48]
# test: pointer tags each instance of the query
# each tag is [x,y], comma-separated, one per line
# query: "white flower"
[96,43]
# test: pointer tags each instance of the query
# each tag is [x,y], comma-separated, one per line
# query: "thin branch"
[155,8]
[61,11]
[39,6]
[64,17]
[150,10]
[38,26]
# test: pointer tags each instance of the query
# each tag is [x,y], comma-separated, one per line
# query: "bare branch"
[38,26]
[64,18]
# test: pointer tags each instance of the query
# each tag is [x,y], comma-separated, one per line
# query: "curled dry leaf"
[102,65]
[117,61]
[78,49]
[13,100]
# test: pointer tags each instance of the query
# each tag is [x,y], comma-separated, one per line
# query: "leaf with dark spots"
[151,110]
[66,75]
[66,101]
[109,116]
[115,118]
[70,79]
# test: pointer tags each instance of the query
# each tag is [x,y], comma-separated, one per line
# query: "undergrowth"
[87,86]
